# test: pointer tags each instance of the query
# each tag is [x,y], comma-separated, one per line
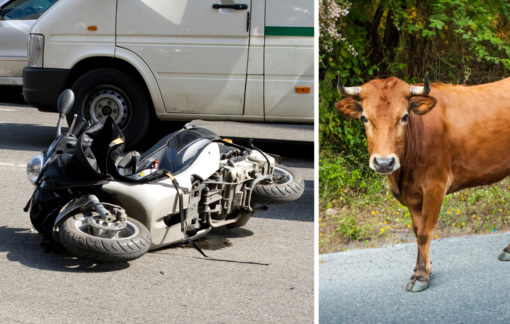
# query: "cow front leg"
[424,220]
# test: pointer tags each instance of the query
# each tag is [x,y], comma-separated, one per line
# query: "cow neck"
[409,157]
[412,146]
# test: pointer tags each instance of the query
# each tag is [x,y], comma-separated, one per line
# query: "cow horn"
[346,91]
[422,91]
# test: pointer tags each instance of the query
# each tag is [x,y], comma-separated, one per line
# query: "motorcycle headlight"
[35,50]
[34,167]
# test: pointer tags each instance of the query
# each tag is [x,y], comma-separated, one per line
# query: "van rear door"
[288,58]
[197,53]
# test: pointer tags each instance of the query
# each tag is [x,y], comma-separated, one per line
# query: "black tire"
[284,190]
[98,87]
[99,249]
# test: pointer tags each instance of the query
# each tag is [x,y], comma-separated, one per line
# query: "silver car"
[16,18]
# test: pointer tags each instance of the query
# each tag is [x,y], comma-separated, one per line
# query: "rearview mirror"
[65,101]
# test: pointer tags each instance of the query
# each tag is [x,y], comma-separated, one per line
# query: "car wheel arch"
[93,63]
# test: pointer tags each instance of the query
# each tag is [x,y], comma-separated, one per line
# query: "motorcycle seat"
[175,152]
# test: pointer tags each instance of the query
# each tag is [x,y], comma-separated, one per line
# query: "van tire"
[95,88]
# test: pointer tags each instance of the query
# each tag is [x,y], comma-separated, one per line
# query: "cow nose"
[384,165]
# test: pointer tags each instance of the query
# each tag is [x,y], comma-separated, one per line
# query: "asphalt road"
[172,285]
[468,285]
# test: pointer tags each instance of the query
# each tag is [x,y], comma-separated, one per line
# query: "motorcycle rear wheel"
[287,187]
[133,242]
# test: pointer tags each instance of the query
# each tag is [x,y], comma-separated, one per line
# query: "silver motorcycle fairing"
[150,203]
[65,212]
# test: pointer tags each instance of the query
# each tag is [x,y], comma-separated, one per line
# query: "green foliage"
[349,228]
[457,41]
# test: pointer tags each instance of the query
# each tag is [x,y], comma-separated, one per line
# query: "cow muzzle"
[384,165]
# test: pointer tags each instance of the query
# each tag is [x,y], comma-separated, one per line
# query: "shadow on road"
[29,249]
[12,94]
[25,247]
[26,137]
[216,239]
[34,137]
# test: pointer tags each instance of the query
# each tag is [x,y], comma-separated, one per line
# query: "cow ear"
[349,107]
[421,105]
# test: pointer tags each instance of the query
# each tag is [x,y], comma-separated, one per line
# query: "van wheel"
[111,92]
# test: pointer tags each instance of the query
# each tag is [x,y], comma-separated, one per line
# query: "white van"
[16,18]
[248,60]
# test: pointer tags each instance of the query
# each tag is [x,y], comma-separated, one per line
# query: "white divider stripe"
[13,164]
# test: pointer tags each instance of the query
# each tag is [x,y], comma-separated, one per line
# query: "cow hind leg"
[505,255]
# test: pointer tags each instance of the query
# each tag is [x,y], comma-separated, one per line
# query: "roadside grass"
[352,221]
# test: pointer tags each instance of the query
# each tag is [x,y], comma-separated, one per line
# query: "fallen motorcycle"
[108,206]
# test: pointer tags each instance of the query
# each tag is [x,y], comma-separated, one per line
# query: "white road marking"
[1,109]
[12,164]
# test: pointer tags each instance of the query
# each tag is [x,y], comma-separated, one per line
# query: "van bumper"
[41,87]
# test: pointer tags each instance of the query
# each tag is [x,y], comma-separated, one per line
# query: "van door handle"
[230,6]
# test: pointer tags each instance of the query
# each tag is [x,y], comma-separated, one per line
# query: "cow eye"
[404,119]
[364,119]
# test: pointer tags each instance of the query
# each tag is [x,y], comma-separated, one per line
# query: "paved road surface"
[173,285]
[469,284]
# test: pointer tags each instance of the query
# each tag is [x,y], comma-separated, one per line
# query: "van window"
[25,9]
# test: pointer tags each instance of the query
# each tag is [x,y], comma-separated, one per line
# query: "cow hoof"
[417,286]
[504,256]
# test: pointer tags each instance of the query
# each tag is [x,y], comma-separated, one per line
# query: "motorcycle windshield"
[184,138]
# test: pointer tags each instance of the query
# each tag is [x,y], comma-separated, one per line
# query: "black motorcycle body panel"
[45,206]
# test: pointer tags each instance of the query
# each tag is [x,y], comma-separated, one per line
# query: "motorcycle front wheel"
[132,242]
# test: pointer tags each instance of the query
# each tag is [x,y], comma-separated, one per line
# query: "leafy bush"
[349,228]
[457,41]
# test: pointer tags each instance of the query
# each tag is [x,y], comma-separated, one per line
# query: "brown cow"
[430,141]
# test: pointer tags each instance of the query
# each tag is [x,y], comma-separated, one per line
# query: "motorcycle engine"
[228,189]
